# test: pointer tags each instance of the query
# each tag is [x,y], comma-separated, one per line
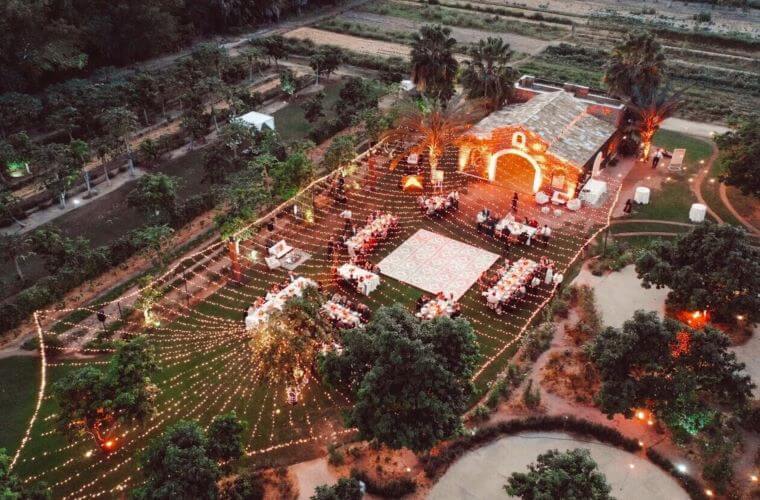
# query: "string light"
[206,367]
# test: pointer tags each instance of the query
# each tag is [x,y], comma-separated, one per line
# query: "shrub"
[537,340]
[692,486]
[247,486]
[531,398]
[393,488]
[335,457]
[481,413]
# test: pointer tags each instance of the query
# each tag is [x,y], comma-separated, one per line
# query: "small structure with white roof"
[256,120]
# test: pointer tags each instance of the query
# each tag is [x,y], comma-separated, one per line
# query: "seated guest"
[457,310]
[364,312]
[420,302]
[523,238]
[536,281]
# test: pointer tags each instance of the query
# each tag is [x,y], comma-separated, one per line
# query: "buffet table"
[365,281]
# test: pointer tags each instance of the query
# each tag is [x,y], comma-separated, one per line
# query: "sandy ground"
[519,43]
[619,295]
[311,474]
[482,473]
[361,45]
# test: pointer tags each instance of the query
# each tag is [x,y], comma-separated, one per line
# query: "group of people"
[338,190]
[541,273]
[439,205]
[361,309]
[502,228]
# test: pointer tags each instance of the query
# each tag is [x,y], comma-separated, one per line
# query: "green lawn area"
[673,200]
[18,391]
[290,121]
[711,193]
[207,367]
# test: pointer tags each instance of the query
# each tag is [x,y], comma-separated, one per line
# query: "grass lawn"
[21,380]
[290,121]
[207,367]
[711,193]
[673,200]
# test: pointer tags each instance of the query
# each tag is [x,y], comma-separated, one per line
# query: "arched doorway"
[516,168]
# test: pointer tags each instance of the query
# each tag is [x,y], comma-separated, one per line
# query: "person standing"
[546,233]
[657,157]
[515,199]
[628,206]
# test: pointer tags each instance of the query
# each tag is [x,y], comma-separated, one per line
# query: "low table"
[641,195]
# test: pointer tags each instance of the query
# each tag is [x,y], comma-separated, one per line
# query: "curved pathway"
[482,473]
[696,185]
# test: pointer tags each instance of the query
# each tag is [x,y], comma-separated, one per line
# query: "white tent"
[257,120]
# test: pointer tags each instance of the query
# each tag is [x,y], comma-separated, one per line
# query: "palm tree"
[431,128]
[433,64]
[649,109]
[637,63]
[488,74]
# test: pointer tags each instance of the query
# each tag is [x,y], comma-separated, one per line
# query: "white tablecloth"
[341,313]
[274,302]
[593,192]
[436,308]
[510,281]
[515,228]
[697,212]
[380,225]
[641,195]
[366,281]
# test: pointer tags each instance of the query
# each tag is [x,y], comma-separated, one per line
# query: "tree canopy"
[411,378]
[738,159]
[94,401]
[347,488]
[488,75]
[176,465]
[637,64]
[713,268]
[683,376]
[434,67]
[12,488]
[155,196]
[570,475]
[225,438]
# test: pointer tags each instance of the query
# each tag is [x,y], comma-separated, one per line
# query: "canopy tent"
[257,120]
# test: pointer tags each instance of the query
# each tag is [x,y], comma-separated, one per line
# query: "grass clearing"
[290,121]
[21,380]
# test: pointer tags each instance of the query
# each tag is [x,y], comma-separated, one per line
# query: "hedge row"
[52,288]
[692,486]
[436,465]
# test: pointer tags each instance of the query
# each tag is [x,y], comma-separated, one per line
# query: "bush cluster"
[393,488]
[692,486]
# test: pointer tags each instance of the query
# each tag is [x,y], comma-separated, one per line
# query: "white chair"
[542,198]
[574,204]
[676,162]
[557,212]
[272,262]
[545,210]
[558,198]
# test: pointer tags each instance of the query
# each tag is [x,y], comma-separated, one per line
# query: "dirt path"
[361,45]
[465,36]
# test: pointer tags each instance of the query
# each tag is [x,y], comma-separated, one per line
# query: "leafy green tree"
[488,75]
[713,267]
[67,117]
[254,55]
[313,107]
[15,248]
[434,67]
[154,239]
[10,205]
[119,123]
[275,48]
[155,196]
[356,96]
[225,438]
[246,486]
[18,111]
[150,151]
[146,95]
[65,164]
[739,151]
[394,362]
[290,175]
[94,402]
[636,66]
[683,376]
[571,475]
[340,152]
[347,488]
[325,61]
[176,465]
[11,488]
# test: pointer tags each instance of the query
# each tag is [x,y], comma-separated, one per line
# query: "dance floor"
[435,263]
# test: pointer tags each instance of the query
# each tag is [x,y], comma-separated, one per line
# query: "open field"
[206,367]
